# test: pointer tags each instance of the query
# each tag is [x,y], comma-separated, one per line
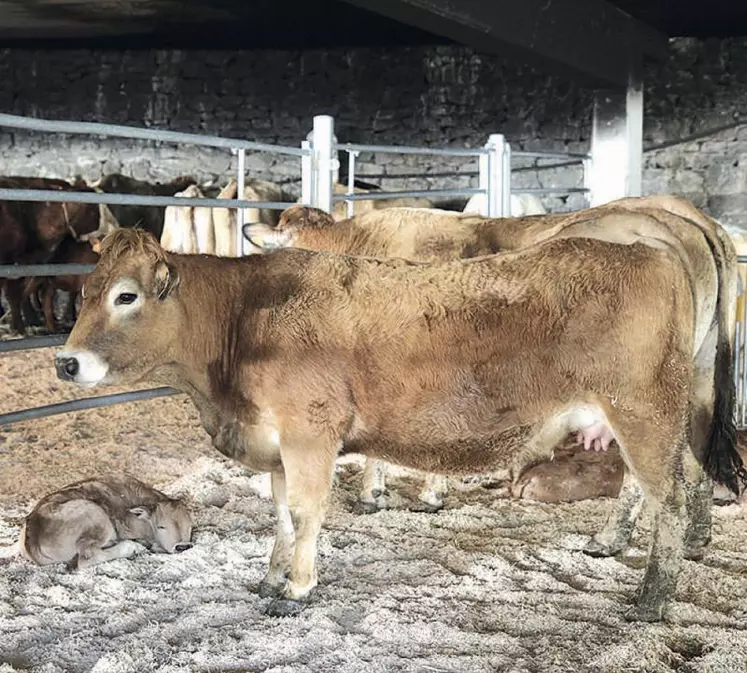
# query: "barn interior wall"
[442,95]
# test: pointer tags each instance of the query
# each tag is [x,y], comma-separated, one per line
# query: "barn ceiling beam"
[590,40]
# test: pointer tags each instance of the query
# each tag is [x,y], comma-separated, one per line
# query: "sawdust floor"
[485,585]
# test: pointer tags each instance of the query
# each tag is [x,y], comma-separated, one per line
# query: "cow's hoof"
[365,507]
[598,550]
[284,607]
[644,613]
[427,507]
[270,590]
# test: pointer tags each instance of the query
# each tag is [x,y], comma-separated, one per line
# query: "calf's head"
[129,319]
[285,235]
[167,526]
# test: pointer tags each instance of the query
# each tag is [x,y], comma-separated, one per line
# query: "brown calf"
[99,520]
[461,367]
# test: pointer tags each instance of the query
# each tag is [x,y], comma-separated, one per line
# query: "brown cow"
[31,231]
[459,367]
[69,251]
[428,235]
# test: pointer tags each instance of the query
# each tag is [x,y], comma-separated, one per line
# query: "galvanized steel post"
[307,182]
[496,182]
[324,162]
[240,182]
[616,144]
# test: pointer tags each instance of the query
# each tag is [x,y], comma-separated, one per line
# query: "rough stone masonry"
[439,96]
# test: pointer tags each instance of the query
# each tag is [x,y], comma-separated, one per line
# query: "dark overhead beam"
[590,40]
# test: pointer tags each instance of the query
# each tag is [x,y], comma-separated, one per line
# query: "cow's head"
[292,220]
[129,318]
[167,525]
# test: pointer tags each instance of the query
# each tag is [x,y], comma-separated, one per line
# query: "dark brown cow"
[31,231]
[69,251]
[461,367]
[147,217]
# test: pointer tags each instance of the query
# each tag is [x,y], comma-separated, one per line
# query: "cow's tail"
[721,459]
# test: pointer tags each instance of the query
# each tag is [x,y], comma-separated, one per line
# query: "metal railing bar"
[23,270]
[561,156]
[55,196]
[119,131]
[403,149]
[422,193]
[29,343]
[551,190]
[82,404]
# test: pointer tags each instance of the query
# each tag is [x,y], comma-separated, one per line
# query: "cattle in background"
[428,235]
[99,520]
[148,217]
[213,230]
[458,367]
[519,205]
[31,231]
[69,251]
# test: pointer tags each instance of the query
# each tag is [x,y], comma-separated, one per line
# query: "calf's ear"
[166,279]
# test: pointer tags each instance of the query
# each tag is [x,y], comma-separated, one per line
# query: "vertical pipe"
[307,187]
[483,182]
[506,171]
[240,176]
[496,185]
[324,162]
[352,154]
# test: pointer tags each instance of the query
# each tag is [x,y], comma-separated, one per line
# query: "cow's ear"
[166,279]
[141,512]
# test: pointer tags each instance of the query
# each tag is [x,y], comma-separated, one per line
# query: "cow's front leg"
[282,552]
[308,479]
[373,495]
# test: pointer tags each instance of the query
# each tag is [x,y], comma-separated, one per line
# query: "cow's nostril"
[183,547]
[67,368]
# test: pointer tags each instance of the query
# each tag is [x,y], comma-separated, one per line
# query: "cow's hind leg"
[282,552]
[373,495]
[431,497]
[657,463]
[618,529]
[308,480]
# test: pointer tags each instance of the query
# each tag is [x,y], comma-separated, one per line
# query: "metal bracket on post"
[352,155]
[324,162]
[496,181]
[240,182]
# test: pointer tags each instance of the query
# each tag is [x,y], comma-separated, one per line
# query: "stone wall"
[418,96]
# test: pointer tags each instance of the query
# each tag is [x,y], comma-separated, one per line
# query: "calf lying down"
[99,520]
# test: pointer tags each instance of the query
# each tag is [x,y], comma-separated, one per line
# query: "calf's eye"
[125,298]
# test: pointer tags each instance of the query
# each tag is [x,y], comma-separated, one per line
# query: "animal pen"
[318,166]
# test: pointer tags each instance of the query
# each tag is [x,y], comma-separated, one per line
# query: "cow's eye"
[125,298]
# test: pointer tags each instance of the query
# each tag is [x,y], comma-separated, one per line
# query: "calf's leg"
[91,554]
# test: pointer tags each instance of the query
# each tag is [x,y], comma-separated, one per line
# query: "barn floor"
[485,585]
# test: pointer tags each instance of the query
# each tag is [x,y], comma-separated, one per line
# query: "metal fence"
[236,146]
[318,165]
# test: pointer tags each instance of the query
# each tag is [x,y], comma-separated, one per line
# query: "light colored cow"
[458,367]
[519,205]
[428,235]
[99,520]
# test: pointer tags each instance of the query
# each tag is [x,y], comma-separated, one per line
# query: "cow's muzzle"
[183,547]
[66,368]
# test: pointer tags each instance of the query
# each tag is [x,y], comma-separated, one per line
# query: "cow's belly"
[444,454]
